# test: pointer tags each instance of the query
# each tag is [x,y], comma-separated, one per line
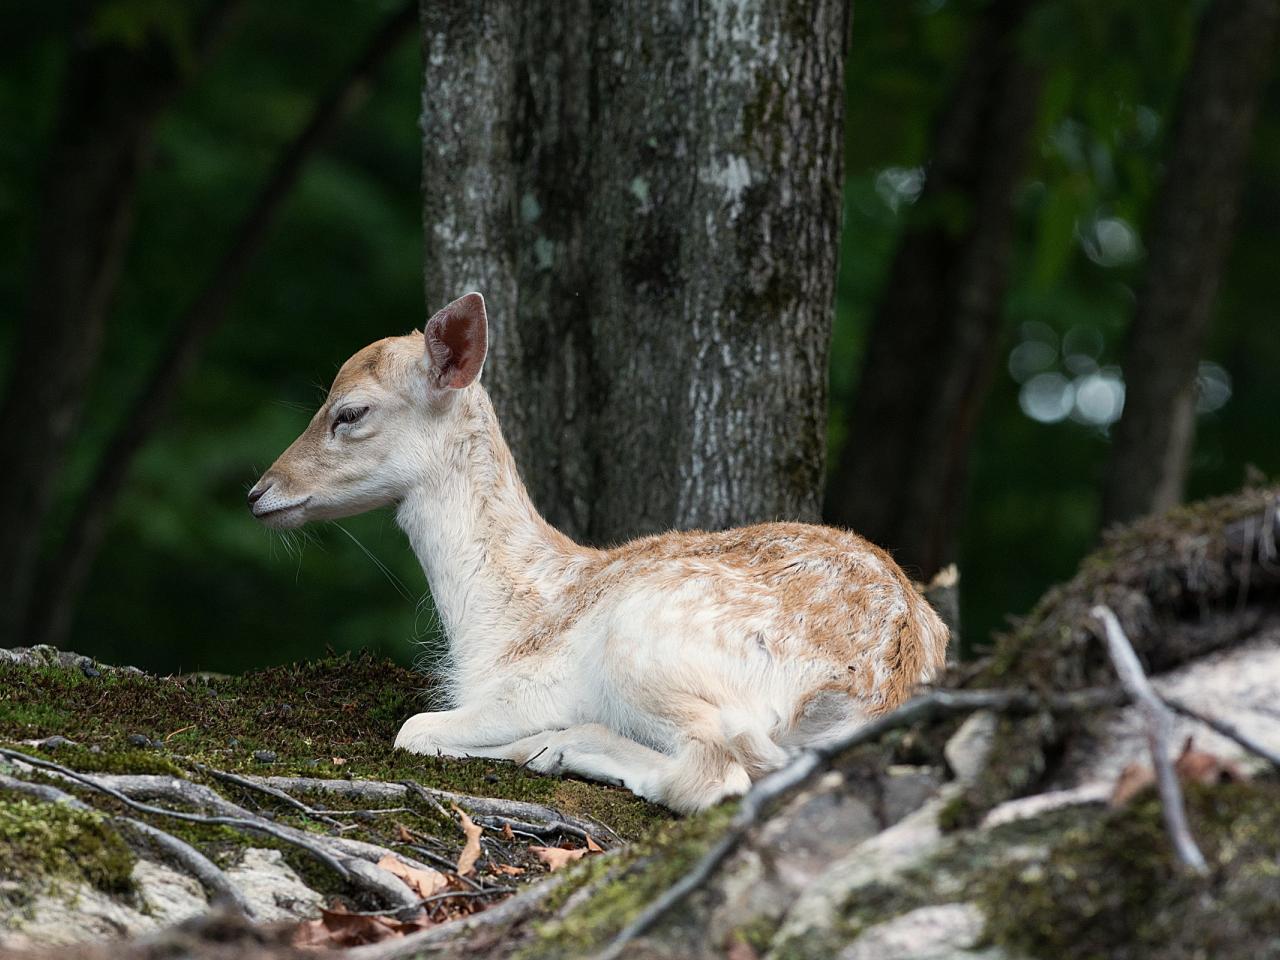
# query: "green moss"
[1112,888]
[348,708]
[49,840]
[623,884]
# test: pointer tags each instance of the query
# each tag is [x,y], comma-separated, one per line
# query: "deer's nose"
[259,489]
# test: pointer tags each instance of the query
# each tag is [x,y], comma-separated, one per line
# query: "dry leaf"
[1200,766]
[404,834]
[424,883]
[592,846]
[507,832]
[471,852]
[1192,766]
[508,869]
[337,927]
[338,761]
[557,857]
[1133,780]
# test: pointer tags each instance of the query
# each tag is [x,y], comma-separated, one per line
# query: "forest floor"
[1004,816]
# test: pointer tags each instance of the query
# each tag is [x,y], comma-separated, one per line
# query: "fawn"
[682,666]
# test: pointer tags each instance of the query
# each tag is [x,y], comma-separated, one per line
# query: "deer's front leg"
[467,732]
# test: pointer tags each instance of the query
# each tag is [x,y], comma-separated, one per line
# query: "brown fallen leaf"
[338,927]
[1133,780]
[507,832]
[508,869]
[424,883]
[1200,766]
[592,846]
[404,834]
[1192,766]
[557,857]
[471,852]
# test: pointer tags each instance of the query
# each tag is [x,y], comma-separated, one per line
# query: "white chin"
[285,518]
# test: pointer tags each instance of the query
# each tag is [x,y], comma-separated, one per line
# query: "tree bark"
[54,601]
[900,478]
[1189,237]
[111,100]
[649,198]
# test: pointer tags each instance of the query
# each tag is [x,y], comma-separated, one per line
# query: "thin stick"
[1228,730]
[1158,722]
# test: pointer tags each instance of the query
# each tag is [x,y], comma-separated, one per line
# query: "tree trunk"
[901,476]
[1190,233]
[53,603]
[112,97]
[650,199]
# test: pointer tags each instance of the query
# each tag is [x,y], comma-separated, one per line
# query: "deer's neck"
[493,563]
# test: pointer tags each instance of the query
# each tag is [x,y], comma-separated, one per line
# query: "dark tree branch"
[64,577]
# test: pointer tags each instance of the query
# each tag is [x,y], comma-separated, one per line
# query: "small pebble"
[232,742]
[90,671]
[313,763]
[95,749]
[138,740]
[264,756]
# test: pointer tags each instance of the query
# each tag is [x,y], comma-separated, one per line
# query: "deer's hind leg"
[697,775]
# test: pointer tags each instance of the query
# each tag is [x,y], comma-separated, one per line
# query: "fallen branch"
[1228,730]
[204,870]
[1158,722]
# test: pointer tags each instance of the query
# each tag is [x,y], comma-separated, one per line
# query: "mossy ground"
[329,718]
[1112,888]
[44,842]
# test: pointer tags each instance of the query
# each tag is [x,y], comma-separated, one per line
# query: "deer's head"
[388,418]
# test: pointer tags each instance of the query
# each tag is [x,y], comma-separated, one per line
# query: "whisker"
[386,572]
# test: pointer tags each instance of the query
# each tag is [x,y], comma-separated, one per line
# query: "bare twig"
[186,856]
[1228,730]
[1158,722]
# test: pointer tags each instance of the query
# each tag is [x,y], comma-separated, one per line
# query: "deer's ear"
[456,341]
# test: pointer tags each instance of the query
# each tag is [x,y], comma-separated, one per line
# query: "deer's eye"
[348,415]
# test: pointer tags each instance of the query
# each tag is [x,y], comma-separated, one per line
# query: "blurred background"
[270,179]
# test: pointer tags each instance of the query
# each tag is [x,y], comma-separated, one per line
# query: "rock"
[170,896]
[138,740]
[90,671]
[907,789]
[942,932]
[969,748]
[272,889]
[264,756]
